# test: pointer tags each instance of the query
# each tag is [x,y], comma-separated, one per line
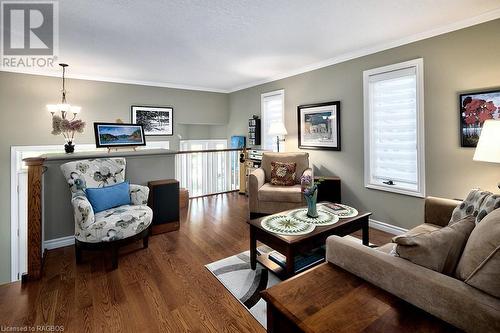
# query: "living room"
[248,166]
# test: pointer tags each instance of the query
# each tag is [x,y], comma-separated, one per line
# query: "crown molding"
[485,17]
[117,80]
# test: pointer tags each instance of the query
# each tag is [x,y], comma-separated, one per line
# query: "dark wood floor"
[164,288]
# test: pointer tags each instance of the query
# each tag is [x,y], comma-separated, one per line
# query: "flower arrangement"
[310,190]
[67,128]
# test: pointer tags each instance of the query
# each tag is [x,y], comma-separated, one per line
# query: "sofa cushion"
[277,193]
[301,160]
[422,229]
[479,265]
[117,223]
[386,248]
[471,206]
[283,173]
[438,250]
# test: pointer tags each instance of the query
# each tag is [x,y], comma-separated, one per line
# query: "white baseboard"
[70,240]
[59,242]
[389,228]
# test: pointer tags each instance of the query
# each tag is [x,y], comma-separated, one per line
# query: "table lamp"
[488,146]
[277,128]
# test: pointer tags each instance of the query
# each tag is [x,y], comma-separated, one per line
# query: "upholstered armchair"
[113,227]
[265,198]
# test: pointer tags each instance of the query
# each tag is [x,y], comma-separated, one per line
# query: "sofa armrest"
[441,295]
[255,181]
[438,210]
[139,194]
[82,211]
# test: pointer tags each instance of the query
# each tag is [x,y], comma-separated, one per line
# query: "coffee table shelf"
[290,246]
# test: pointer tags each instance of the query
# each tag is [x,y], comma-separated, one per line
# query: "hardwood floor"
[164,288]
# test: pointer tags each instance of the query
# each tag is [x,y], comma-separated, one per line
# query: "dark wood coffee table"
[330,299]
[290,246]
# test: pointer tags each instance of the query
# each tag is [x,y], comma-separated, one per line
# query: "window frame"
[280,92]
[418,64]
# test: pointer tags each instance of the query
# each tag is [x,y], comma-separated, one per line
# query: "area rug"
[246,284]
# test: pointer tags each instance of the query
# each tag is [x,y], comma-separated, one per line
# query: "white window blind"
[272,110]
[394,128]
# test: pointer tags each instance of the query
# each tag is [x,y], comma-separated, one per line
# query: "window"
[394,128]
[272,110]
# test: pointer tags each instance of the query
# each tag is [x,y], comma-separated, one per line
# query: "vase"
[311,204]
[69,147]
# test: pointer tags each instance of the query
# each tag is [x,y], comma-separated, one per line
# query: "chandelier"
[63,107]
[61,124]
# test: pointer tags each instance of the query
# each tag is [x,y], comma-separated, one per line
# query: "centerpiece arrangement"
[310,190]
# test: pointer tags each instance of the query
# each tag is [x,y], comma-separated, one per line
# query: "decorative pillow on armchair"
[282,173]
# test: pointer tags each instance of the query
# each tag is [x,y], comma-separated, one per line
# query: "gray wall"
[26,122]
[464,60]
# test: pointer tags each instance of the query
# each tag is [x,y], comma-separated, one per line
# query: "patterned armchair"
[109,228]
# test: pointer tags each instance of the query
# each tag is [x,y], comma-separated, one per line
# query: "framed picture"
[238,141]
[156,120]
[110,135]
[475,109]
[319,125]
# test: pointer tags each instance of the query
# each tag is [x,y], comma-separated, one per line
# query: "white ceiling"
[226,45]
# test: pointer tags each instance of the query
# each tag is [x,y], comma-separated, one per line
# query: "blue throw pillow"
[103,198]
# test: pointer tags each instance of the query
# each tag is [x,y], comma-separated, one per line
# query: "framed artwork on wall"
[475,109]
[156,120]
[112,135]
[319,126]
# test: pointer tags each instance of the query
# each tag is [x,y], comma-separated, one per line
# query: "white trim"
[418,64]
[77,76]
[485,17]
[389,228]
[14,237]
[56,243]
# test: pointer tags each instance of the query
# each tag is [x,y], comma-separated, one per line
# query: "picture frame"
[319,126]
[474,109]
[156,120]
[115,135]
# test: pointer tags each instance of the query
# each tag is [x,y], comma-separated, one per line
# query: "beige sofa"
[265,198]
[445,297]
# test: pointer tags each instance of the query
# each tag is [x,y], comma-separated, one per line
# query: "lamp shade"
[488,146]
[277,128]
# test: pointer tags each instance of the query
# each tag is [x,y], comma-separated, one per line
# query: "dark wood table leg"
[290,262]
[365,231]
[253,248]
